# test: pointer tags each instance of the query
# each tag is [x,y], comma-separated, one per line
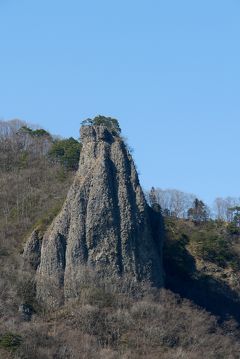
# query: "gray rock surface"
[105,223]
[32,251]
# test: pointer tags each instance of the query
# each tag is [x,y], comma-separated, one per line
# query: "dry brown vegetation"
[112,317]
[31,192]
[118,318]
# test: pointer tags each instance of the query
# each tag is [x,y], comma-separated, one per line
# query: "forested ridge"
[195,316]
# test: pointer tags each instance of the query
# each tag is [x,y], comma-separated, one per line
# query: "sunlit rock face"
[105,223]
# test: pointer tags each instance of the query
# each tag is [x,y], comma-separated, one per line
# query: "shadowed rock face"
[105,223]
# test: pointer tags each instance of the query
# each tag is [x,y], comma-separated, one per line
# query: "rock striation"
[105,223]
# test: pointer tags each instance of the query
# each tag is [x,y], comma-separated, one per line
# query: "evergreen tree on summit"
[111,123]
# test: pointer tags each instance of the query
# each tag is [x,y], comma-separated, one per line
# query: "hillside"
[195,316]
[202,263]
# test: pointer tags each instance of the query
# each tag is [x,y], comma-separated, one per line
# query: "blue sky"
[168,70]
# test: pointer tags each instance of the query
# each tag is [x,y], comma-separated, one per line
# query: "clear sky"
[168,70]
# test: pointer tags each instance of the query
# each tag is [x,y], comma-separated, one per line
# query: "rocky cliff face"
[105,223]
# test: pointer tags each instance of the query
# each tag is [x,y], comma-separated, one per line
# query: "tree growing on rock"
[111,123]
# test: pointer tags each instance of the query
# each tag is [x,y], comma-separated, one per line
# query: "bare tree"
[222,207]
[175,203]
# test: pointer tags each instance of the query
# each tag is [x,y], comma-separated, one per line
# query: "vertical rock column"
[105,223]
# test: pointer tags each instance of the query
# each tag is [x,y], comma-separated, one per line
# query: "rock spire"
[105,223]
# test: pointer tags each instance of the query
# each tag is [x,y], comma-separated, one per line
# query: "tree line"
[178,204]
[22,143]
